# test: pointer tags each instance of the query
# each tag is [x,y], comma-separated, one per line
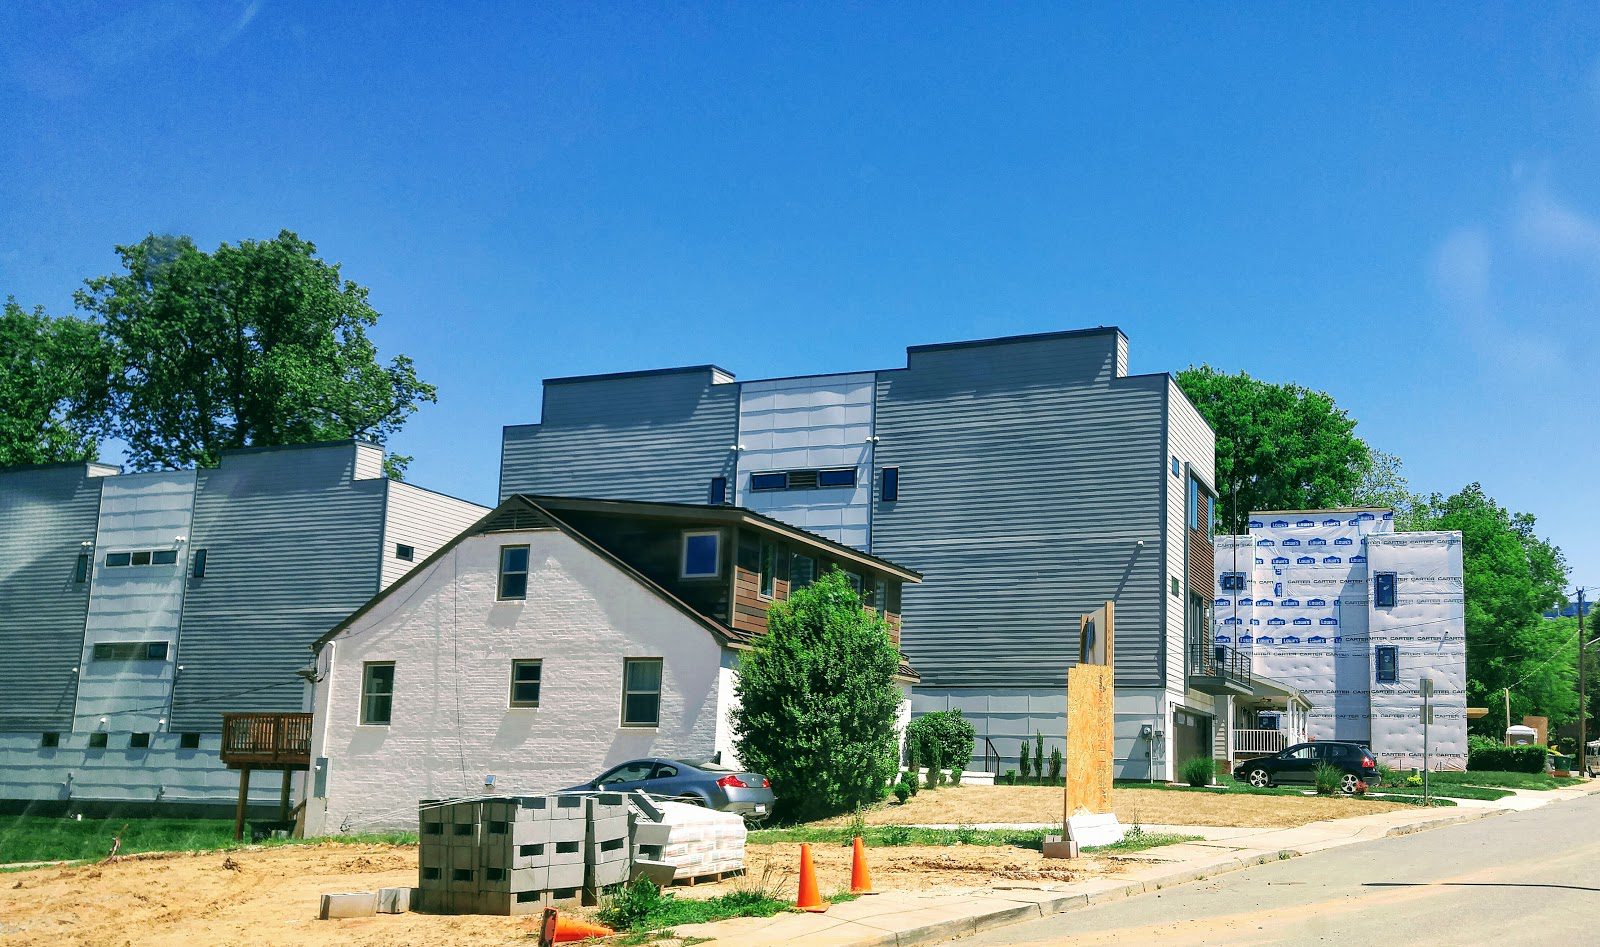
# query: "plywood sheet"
[1090,717]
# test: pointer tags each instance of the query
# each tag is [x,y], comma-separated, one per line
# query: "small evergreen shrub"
[955,775]
[952,734]
[1023,760]
[1057,762]
[1327,779]
[1038,756]
[902,792]
[934,772]
[1009,777]
[1199,771]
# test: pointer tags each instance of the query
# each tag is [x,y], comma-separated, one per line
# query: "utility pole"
[1508,712]
[1426,687]
[1583,697]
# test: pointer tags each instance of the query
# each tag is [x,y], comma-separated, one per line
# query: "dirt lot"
[985,804]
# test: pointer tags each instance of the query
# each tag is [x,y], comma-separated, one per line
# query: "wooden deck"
[266,741]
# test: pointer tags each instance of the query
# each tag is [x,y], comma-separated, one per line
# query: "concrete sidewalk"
[901,918]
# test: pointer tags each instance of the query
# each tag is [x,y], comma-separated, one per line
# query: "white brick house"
[527,653]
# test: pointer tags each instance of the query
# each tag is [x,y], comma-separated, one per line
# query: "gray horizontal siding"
[652,437]
[1027,477]
[45,514]
[292,548]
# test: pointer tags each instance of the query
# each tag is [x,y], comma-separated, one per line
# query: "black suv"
[1298,764]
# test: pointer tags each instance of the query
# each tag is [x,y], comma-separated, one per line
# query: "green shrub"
[934,772]
[1199,771]
[1507,759]
[1057,762]
[1038,756]
[1327,779]
[955,775]
[951,733]
[1022,760]
[1010,777]
[817,701]
[1413,779]
[913,753]
[902,792]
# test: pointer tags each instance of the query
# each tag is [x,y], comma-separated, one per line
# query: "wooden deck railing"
[1259,742]
[267,741]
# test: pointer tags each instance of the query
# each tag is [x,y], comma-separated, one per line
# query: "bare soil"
[955,805]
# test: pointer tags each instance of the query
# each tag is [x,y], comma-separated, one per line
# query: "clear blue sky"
[1402,208]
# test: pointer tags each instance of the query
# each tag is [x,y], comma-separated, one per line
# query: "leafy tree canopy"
[1279,446]
[1512,577]
[253,344]
[52,372]
[818,701]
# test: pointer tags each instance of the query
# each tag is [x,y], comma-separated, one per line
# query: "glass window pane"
[769,481]
[117,558]
[769,567]
[199,563]
[836,478]
[802,572]
[164,557]
[642,709]
[644,675]
[891,484]
[514,559]
[514,585]
[700,554]
[141,558]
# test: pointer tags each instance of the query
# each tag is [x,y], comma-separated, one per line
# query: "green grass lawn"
[883,836]
[1447,790]
[1505,780]
[31,838]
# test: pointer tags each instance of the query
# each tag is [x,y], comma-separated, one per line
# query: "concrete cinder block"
[609,850]
[570,807]
[659,872]
[566,876]
[524,833]
[532,855]
[565,853]
[348,904]
[394,900]
[609,828]
[529,879]
[531,808]
[651,833]
[567,830]
[612,873]
[461,857]
[466,813]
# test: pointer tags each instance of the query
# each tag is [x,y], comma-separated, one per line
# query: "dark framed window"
[525,676]
[49,739]
[641,692]
[80,574]
[163,557]
[1233,581]
[1383,589]
[114,559]
[718,494]
[513,573]
[802,572]
[97,741]
[1194,503]
[701,555]
[1386,657]
[855,581]
[199,570]
[839,477]
[778,480]
[141,558]
[377,692]
[1177,468]
[139,741]
[769,568]
[1175,588]
[889,490]
[188,741]
[405,553]
[130,651]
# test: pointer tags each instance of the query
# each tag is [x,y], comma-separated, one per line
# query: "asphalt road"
[1522,878]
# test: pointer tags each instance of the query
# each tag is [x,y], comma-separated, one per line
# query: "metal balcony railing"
[1219,665]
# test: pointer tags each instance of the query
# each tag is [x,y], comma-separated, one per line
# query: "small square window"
[97,741]
[199,564]
[890,491]
[404,552]
[49,739]
[80,574]
[1177,468]
[844,477]
[641,692]
[188,741]
[718,494]
[770,481]
[1175,589]
[525,677]
[141,558]
[1233,581]
[114,559]
[163,557]
[139,741]
[1383,589]
[377,693]
[513,573]
[1387,658]
[701,555]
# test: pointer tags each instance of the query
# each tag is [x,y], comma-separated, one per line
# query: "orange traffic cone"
[810,899]
[860,877]
[557,929]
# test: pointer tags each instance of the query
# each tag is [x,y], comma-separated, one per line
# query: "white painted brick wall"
[453,643]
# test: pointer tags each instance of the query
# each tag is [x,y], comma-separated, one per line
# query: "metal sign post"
[1427,718]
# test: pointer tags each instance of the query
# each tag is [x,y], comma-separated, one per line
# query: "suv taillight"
[1368,762]
[732,782]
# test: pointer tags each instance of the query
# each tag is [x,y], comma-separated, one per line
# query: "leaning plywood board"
[1090,719]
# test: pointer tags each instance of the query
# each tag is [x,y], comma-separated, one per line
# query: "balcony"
[266,741]
[1218,669]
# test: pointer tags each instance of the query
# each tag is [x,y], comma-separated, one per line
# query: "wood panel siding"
[654,547]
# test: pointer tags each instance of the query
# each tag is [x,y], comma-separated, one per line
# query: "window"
[188,741]
[513,573]
[49,739]
[769,481]
[1175,589]
[663,771]
[97,741]
[641,692]
[802,572]
[635,772]
[377,691]
[1177,468]
[769,568]
[404,552]
[1194,503]
[1387,658]
[719,491]
[844,477]
[130,651]
[139,741]
[525,682]
[80,574]
[702,555]
[1233,581]
[1383,588]
[855,581]
[141,558]
[889,491]
[163,557]
[199,571]
[1303,752]
[114,559]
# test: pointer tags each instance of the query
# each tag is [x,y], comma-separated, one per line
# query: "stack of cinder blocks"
[518,854]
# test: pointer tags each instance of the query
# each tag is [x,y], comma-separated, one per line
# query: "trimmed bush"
[902,792]
[1199,771]
[1023,760]
[952,734]
[1009,778]
[1327,779]
[1057,761]
[1507,759]
[955,775]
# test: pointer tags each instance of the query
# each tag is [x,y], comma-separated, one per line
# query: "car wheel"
[1349,783]
[1260,778]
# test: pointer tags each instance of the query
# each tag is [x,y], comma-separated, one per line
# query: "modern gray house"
[137,608]
[1029,479]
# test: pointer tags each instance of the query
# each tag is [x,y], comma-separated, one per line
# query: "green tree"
[256,343]
[948,730]
[1383,484]
[52,387]
[1279,446]
[1511,578]
[818,701]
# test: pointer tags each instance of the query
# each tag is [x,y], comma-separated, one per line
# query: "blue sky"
[1399,207]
